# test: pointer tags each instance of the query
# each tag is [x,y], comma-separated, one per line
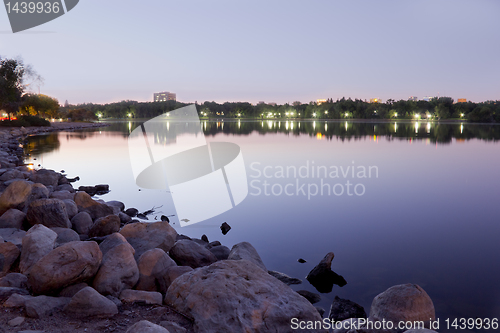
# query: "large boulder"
[82,222]
[8,255]
[65,235]
[111,241]
[221,252]
[46,177]
[173,273]
[62,195]
[188,253]
[68,264]
[16,280]
[71,208]
[147,236]
[89,303]
[104,226]
[43,306]
[153,265]
[13,218]
[118,271]
[238,296]
[245,250]
[38,191]
[404,302]
[145,326]
[85,203]
[15,195]
[342,309]
[323,278]
[49,212]
[39,241]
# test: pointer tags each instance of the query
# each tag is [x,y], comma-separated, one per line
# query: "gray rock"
[153,265]
[147,236]
[111,241]
[65,187]
[65,235]
[49,212]
[124,218]
[13,218]
[16,301]
[16,321]
[15,236]
[105,226]
[85,203]
[132,212]
[311,297]
[38,191]
[43,306]
[221,252]
[82,222]
[6,292]
[46,177]
[237,296]
[342,309]
[118,271]
[320,310]
[39,241]
[115,300]
[8,256]
[189,253]
[145,326]
[62,195]
[141,296]
[405,302]
[245,250]
[351,325]
[15,195]
[11,174]
[71,291]
[172,327]
[173,273]
[89,303]
[285,278]
[71,208]
[70,263]
[323,278]
[16,280]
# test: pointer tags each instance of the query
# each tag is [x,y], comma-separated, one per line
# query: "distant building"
[428,98]
[320,101]
[272,103]
[296,103]
[261,102]
[164,96]
[462,100]
[375,100]
[413,98]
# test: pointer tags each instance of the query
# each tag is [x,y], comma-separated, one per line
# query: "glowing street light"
[239,114]
[461,115]
[326,112]
[347,114]
[417,116]
[395,114]
[429,115]
[314,114]
[130,115]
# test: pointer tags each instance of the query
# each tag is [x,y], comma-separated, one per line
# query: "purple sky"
[273,51]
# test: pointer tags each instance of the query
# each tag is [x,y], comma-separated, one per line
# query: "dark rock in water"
[323,278]
[225,228]
[93,190]
[301,260]
[204,238]
[142,216]
[285,278]
[311,297]
[132,212]
[164,218]
[213,244]
[181,236]
[72,180]
[342,309]
[220,251]
[321,311]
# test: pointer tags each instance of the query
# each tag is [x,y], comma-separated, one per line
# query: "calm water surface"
[425,210]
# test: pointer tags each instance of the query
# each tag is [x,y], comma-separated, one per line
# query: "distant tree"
[40,105]
[13,74]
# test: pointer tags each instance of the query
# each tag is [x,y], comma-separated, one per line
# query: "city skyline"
[275,52]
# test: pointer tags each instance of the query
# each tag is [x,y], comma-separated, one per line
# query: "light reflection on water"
[431,217]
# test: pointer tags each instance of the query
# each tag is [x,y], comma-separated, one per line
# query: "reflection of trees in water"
[40,144]
[435,132]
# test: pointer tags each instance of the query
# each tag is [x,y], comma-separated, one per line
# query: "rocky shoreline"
[70,263]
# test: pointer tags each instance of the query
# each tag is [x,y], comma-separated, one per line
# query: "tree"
[13,73]
[38,104]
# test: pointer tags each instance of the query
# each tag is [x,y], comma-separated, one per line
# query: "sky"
[272,51]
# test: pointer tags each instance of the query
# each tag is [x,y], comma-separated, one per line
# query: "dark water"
[422,205]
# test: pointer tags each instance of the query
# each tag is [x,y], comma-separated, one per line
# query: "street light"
[347,114]
[130,115]
[314,114]
[395,114]
[461,115]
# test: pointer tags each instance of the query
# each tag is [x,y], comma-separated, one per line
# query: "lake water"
[425,210]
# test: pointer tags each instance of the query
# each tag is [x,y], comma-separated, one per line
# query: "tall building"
[164,96]
[413,98]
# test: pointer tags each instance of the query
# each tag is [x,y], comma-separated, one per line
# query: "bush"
[25,121]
